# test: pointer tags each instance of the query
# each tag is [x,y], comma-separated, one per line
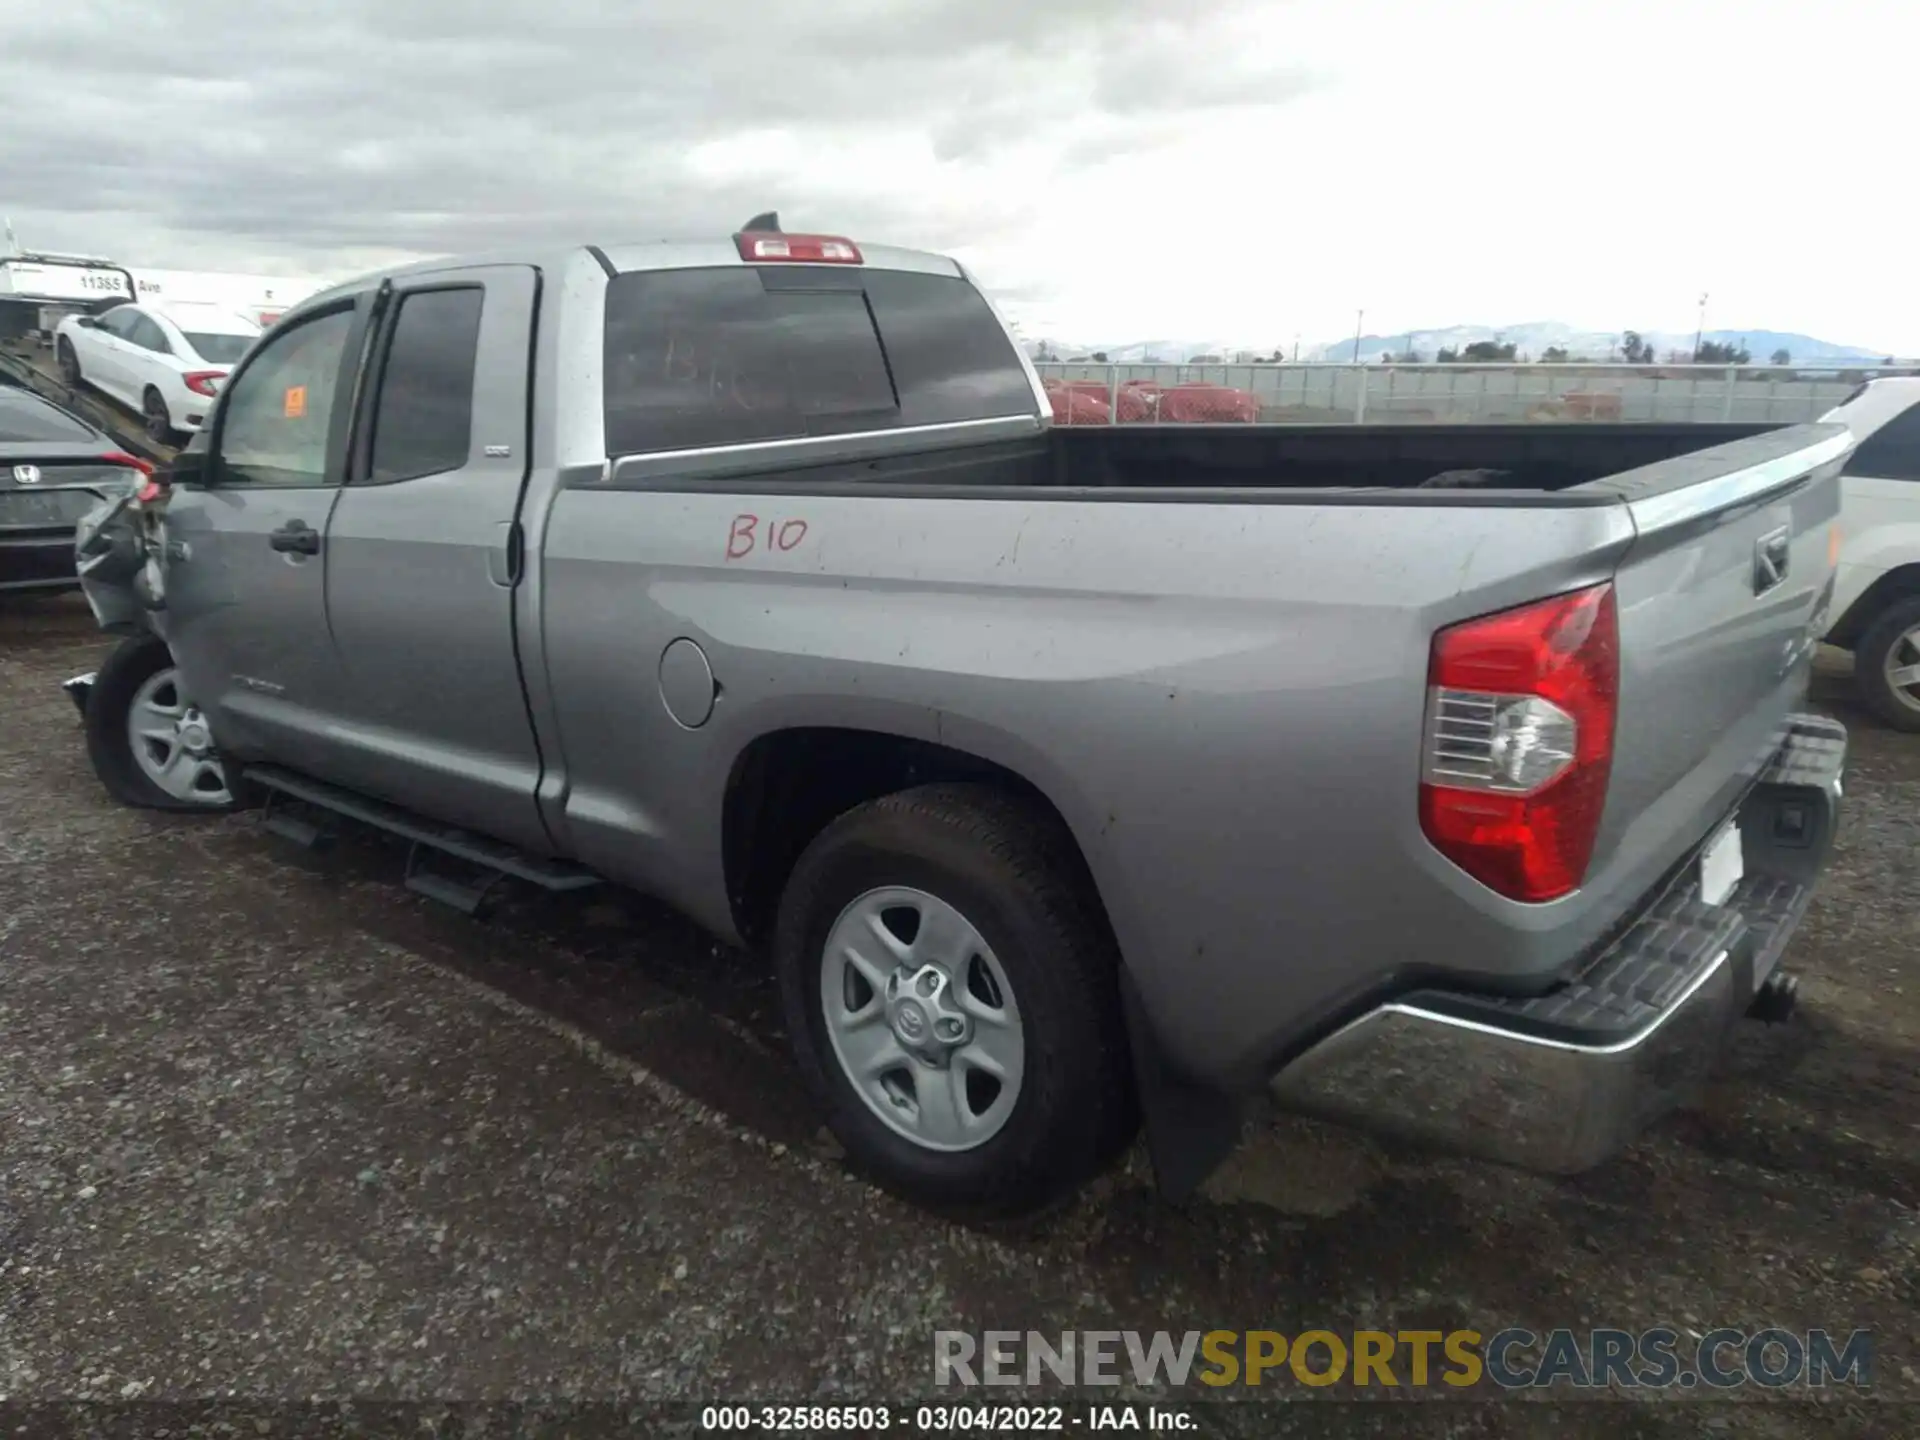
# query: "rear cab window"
[217,349]
[739,354]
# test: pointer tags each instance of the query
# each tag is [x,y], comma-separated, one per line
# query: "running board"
[494,858]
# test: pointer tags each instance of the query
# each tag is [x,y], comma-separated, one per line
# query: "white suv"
[1877,593]
[165,363]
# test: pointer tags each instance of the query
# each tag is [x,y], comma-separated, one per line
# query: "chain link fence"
[1383,394]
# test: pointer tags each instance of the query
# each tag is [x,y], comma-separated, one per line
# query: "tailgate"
[1721,598]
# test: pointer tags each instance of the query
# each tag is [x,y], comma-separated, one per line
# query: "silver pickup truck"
[1068,776]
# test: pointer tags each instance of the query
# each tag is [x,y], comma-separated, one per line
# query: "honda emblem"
[27,474]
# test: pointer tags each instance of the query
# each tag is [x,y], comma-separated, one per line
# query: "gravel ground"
[272,1129]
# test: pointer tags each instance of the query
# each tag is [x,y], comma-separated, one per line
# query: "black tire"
[1009,866]
[109,741]
[155,418]
[1871,657]
[69,362]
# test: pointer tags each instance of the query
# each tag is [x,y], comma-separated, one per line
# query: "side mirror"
[87,322]
[189,467]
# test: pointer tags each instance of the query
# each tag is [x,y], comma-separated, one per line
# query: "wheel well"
[1899,583]
[789,786]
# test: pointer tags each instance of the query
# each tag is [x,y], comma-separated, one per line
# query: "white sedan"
[167,364]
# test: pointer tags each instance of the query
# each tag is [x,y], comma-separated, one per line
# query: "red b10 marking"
[746,536]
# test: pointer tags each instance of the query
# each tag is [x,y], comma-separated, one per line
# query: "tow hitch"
[1773,1003]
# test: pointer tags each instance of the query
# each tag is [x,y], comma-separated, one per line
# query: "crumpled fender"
[117,547]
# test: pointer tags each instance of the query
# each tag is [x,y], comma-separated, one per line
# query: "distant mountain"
[1531,339]
[1534,338]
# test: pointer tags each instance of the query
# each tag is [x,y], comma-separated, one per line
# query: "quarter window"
[423,422]
[276,413]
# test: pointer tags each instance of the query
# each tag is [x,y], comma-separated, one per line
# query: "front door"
[423,556]
[245,576]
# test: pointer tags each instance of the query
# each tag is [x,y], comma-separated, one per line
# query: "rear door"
[103,360]
[245,578]
[423,557]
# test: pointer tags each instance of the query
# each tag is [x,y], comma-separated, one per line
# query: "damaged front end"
[120,551]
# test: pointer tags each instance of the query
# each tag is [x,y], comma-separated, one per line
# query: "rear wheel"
[952,993]
[155,416]
[69,361]
[149,743]
[1886,664]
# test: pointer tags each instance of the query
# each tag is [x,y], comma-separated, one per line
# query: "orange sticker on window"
[296,401]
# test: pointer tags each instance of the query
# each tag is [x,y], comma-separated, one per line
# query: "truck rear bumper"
[1561,1081]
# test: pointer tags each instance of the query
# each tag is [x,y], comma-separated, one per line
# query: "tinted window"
[710,357]
[424,420]
[275,413]
[24,416]
[120,322]
[1893,451]
[218,349]
[950,356]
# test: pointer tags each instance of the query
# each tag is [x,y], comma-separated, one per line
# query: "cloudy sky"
[1114,170]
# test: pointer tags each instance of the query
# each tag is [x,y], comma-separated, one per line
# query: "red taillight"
[807,249]
[127,462]
[1519,742]
[204,382]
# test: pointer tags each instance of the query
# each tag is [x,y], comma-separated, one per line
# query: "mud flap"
[78,689]
[1190,1128]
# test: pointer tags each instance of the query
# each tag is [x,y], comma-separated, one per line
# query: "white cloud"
[1233,169]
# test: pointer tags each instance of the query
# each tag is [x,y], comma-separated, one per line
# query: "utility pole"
[1701,330]
[1296,347]
[1359,321]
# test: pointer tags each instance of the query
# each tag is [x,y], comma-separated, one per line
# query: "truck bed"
[1532,457]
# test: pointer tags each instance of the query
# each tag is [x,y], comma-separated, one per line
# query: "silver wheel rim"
[1902,669]
[171,742]
[921,1018]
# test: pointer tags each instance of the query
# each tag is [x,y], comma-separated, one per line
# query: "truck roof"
[1876,403]
[635,256]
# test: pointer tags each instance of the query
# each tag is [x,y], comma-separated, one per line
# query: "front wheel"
[951,988]
[149,743]
[1886,664]
[69,362]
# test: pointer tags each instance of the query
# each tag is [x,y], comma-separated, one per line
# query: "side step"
[493,858]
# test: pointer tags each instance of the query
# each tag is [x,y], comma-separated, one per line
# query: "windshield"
[219,349]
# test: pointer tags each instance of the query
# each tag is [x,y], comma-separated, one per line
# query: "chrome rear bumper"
[1561,1081]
